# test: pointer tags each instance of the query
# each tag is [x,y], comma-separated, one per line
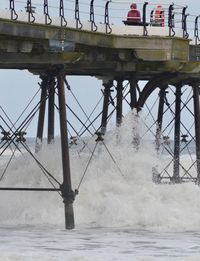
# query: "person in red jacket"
[134,14]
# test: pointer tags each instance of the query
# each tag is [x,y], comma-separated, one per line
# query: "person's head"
[133,6]
[159,6]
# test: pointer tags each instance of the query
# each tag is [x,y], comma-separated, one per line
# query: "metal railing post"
[106,18]
[93,25]
[184,22]
[196,30]
[144,19]
[14,15]
[30,10]
[48,19]
[171,20]
[63,22]
[77,15]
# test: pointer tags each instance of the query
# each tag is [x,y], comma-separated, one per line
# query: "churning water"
[120,213]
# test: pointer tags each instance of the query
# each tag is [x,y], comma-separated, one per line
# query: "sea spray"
[116,191]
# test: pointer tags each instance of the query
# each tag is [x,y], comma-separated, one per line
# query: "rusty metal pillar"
[196,93]
[108,84]
[51,89]
[66,188]
[162,96]
[133,93]
[119,89]
[177,127]
[41,117]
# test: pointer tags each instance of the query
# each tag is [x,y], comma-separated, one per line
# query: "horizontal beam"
[29,189]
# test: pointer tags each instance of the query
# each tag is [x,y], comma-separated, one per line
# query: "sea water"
[120,213]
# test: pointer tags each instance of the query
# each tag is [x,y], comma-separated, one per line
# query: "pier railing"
[108,17]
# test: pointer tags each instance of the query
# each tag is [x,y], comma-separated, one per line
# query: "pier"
[134,63]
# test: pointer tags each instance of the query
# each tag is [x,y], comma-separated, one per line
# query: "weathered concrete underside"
[39,47]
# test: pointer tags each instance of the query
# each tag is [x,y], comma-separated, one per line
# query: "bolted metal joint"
[99,136]
[20,136]
[6,136]
[68,196]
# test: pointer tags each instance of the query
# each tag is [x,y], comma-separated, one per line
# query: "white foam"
[107,198]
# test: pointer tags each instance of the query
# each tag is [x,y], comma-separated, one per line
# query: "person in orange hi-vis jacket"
[159,16]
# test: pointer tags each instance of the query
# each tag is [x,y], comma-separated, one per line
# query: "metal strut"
[119,102]
[196,93]
[176,173]
[51,108]
[162,96]
[66,188]
[41,117]
[106,102]
[133,93]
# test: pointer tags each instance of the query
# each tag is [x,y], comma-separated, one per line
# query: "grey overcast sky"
[18,87]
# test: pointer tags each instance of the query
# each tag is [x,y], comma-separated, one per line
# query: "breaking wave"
[116,191]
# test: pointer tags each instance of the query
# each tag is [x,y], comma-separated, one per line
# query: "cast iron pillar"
[162,96]
[176,173]
[197,127]
[51,90]
[119,89]
[108,84]
[133,93]
[66,188]
[40,127]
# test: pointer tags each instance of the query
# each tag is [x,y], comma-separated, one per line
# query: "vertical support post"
[196,93]
[119,101]
[162,95]
[107,91]
[176,174]
[66,188]
[145,32]
[50,136]
[133,93]
[41,117]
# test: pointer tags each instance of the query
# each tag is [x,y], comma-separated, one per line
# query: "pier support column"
[196,93]
[176,173]
[108,84]
[51,89]
[133,93]
[162,96]
[66,188]
[119,101]
[40,127]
